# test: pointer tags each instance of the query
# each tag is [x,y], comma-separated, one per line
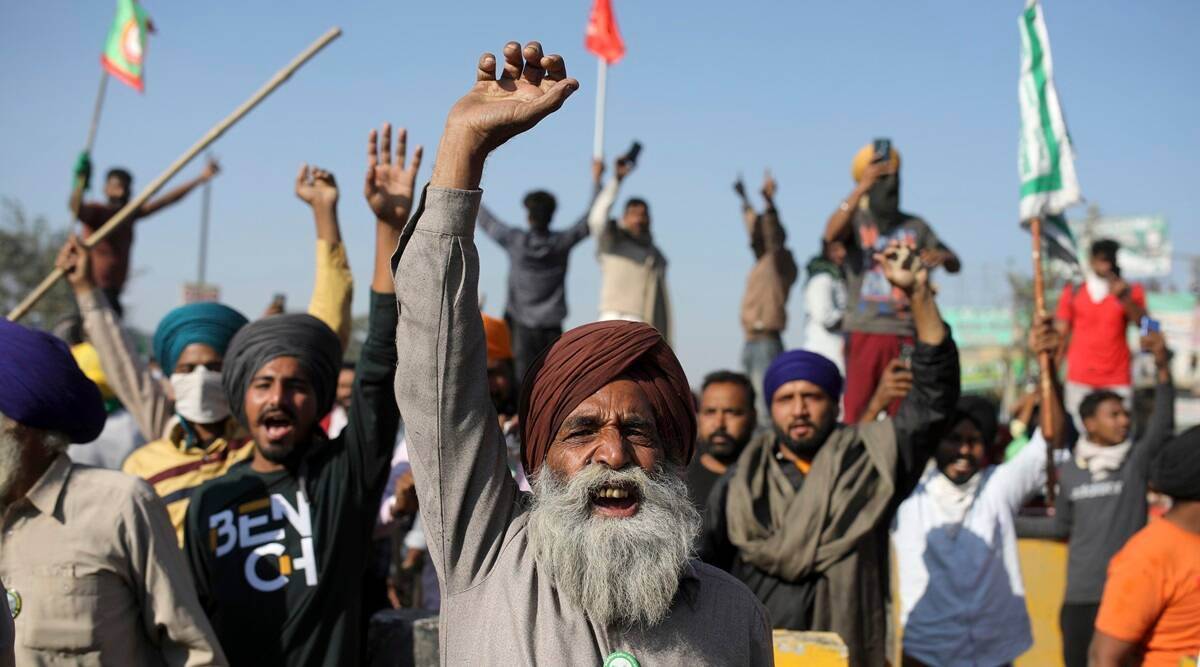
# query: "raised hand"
[902,267]
[1043,337]
[74,260]
[316,187]
[769,186]
[531,86]
[390,183]
[211,168]
[623,167]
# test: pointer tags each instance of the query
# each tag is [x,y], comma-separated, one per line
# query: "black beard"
[807,448]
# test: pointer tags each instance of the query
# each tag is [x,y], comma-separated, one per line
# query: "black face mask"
[883,199]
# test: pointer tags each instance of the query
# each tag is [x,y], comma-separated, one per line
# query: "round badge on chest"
[14,603]
[621,659]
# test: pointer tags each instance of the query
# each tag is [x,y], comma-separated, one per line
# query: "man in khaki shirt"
[88,554]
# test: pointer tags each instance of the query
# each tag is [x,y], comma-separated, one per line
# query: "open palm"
[390,181]
[902,267]
[530,87]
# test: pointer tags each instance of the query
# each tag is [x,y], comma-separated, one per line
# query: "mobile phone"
[632,155]
[1149,325]
[883,149]
[906,354]
[280,300]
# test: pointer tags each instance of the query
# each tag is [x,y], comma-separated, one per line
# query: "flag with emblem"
[126,45]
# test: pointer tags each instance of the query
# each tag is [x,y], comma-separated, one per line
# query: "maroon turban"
[585,359]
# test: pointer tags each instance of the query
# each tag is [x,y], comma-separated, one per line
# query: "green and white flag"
[1047,161]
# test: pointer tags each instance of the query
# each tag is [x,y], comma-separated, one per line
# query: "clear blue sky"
[710,88]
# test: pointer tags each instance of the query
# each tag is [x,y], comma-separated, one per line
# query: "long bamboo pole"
[211,136]
[1045,361]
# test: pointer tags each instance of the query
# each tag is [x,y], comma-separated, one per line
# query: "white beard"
[621,572]
[10,460]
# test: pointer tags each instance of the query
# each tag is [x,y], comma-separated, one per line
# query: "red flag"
[602,37]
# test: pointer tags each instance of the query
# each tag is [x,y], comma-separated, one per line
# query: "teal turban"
[210,323]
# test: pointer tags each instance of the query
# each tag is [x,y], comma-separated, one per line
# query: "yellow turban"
[89,362]
[866,155]
[499,340]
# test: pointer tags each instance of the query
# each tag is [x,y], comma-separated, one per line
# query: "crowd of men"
[250,497]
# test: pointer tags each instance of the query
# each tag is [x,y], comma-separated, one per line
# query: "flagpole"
[91,137]
[601,89]
[202,263]
[212,135]
[1045,361]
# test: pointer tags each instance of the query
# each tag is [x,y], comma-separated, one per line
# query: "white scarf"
[1100,460]
[952,500]
[1097,287]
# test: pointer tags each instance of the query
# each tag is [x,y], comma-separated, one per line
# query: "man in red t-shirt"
[1093,318]
[110,257]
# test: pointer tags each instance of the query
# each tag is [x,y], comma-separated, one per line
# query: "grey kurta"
[498,607]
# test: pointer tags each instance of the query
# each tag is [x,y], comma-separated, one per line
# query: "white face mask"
[199,396]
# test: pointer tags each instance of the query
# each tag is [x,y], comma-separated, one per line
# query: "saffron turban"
[587,358]
[866,155]
[299,335]
[802,365]
[42,387]
[213,324]
[499,339]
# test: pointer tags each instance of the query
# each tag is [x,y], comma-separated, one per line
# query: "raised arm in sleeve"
[468,498]
[1021,477]
[1159,430]
[333,289]
[600,216]
[924,412]
[493,227]
[373,418]
[139,391]
[170,609]
[581,228]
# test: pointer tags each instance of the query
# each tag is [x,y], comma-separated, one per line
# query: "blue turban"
[802,365]
[210,323]
[41,386]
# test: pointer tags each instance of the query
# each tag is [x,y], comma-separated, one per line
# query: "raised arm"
[211,169]
[128,374]
[468,498]
[333,283]
[935,369]
[374,418]
[749,215]
[83,174]
[1162,419]
[493,227]
[838,226]
[601,212]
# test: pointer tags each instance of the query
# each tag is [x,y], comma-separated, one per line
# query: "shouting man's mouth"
[277,426]
[618,501]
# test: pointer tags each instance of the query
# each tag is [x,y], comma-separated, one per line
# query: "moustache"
[277,412]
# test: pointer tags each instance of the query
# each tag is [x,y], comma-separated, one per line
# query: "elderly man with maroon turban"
[594,567]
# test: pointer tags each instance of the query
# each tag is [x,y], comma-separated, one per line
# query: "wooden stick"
[212,135]
[1045,361]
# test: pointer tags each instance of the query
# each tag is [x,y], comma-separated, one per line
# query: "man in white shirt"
[961,598]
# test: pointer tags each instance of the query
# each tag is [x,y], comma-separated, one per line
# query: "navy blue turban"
[314,345]
[210,323]
[42,387]
[802,365]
